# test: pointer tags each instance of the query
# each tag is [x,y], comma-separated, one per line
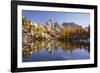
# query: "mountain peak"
[71,24]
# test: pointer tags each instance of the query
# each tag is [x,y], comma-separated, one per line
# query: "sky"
[82,19]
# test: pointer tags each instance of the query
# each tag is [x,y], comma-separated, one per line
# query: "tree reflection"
[51,46]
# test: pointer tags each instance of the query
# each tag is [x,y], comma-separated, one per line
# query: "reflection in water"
[54,50]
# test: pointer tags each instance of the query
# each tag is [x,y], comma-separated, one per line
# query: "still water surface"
[54,51]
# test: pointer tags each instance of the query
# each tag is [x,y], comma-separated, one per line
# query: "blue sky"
[60,17]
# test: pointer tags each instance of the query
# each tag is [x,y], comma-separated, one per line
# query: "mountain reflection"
[52,47]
